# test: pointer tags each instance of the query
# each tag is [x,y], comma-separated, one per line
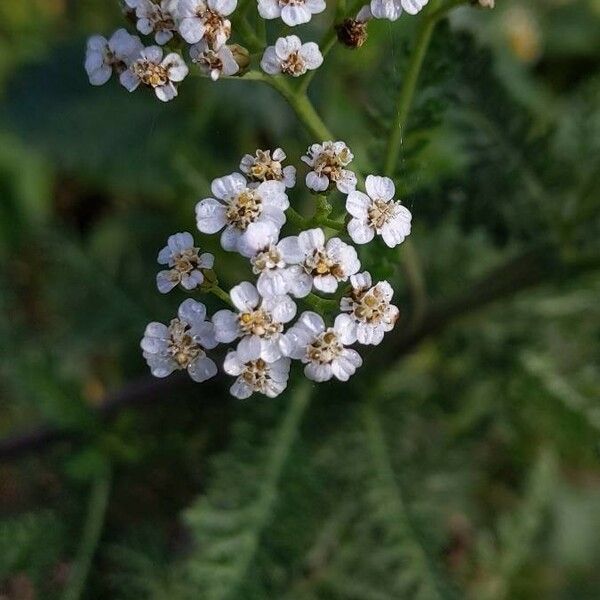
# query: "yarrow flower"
[326,264]
[104,56]
[392,9]
[206,20]
[214,62]
[266,166]
[291,57]
[292,12]
[258,323]
[268,378]
[376,212]
[328,161]
[156,17]
[153,71]
[271,261]
[367,312]
[182,344]
[322,349]
[185,262]
[236,205]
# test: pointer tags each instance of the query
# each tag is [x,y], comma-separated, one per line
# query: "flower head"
[368,314]
[185,263]
[258,323]
[292,12]
[353,32]
[206,20]
[376,212]
[236,205]
[154,71]
[271,261]
[104,56]
[326,264]
[182,344]
[266,166]
[158,18]
[290,56]
[322,349]
[328,161]
[214,62]
[268,378]
[392,9]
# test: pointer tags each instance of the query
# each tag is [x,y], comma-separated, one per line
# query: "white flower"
[156,17]
[487,3]
[103,56]
[322,349]
[205,20]
[370,314]
[329,263]
[214,62]
[292,12]
[392,9]
[266,166]
[290,56]
[236,205]
[154,71]
[258,322]
[185,262]
[270,259]
[377,213]
[328,161]
[182,344]
[266,378]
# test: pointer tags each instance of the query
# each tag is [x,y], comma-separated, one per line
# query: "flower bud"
[352,33]
[241,56]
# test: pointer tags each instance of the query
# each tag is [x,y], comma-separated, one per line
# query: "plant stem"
[409,256]
[321,305]
[219,292]
[303,108]
[92,531]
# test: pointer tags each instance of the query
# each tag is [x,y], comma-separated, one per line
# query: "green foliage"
[468,468]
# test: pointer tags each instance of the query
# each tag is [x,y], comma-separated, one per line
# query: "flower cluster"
[204,27]
[249,208]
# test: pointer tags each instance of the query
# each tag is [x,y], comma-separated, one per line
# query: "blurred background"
[476,471]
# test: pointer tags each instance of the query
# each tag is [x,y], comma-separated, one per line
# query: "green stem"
[303,108]
[409,256]
[92,531]
[320,305]
[220,293]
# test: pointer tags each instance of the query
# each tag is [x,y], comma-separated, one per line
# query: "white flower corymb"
[156,17]
[103,56]
[185,263]
[206,20]
[258,375]
[153,71]
[322,349]
[292,12]
[326,264]
[376,212]
[266,166]
[236,205]
[328,161]
[271,261]
[392,9]
[258,323]
[367,312]
[214,63]
[182,344]
[290,56]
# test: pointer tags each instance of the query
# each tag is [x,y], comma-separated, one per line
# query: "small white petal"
[202,369]
[245,296]
[226,326]
[318,372]
[380,188]
[210,215]
[249,348]
[360,232]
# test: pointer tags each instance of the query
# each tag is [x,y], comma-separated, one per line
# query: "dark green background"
[491,424]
